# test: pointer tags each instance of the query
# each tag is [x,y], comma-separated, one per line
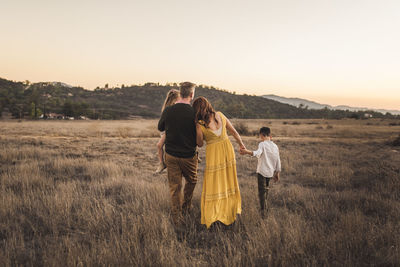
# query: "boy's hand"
[245,151]
[276,176]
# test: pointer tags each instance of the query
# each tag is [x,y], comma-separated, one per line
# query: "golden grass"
[84,193]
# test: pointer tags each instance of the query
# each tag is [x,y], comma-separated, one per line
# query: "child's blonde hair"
[172,97]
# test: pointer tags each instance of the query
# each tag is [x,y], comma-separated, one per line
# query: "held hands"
[244,151]
[241,148]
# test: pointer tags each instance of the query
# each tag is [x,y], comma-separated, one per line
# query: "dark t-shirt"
[178,123]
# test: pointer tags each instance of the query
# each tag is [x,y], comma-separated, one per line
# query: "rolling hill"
[25,100]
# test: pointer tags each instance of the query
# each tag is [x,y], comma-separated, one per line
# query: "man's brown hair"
[186,88]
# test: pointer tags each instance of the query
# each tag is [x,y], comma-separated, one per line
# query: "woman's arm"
[199,135]
[234,133]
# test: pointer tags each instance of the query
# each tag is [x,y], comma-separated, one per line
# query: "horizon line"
[117,85]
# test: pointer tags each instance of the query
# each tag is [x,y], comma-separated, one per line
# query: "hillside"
[24,100]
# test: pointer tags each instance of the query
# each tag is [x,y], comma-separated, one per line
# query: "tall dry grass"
[70,196]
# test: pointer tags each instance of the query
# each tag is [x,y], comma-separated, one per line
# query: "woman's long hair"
[204,111]
[172,97]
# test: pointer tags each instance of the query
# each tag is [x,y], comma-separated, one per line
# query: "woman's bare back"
[214,126]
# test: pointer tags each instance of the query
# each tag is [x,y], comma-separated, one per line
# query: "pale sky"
[333,52]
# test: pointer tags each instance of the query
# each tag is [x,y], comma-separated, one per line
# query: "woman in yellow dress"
[220,198]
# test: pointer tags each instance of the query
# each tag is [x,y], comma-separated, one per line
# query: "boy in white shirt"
[269,165]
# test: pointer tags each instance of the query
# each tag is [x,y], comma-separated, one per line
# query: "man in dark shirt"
[180,146]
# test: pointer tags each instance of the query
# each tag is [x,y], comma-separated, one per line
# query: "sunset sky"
[333,52]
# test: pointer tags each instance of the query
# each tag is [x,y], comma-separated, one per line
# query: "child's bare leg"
[198,157]
[160,152]
[160,145]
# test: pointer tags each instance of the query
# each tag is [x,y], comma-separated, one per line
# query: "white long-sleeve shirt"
[268,158]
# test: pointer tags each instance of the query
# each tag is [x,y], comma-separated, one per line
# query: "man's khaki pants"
[178,167]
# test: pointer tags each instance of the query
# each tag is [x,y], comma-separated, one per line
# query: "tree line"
[40,100]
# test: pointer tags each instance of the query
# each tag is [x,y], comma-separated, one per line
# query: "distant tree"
[68,109]
[34,99]
[355,115]
[106,86]
[35,111]
[80,109]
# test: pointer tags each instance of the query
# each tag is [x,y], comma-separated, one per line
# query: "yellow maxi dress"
[220,198]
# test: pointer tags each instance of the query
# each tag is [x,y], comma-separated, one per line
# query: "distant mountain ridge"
[314,105]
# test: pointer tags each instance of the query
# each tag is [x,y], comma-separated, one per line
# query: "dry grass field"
[83,193]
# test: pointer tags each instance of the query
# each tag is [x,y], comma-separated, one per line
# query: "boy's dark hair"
[265,131]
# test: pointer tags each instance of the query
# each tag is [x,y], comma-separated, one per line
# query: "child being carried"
[172,97]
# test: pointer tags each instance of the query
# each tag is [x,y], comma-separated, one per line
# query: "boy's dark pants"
[178,167]
[263,188]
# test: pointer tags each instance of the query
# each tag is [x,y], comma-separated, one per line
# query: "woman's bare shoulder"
[220,114]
